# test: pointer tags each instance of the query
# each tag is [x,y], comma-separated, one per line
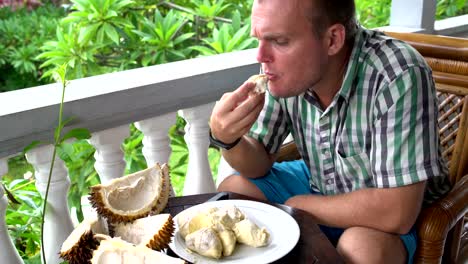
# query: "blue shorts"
[287,179]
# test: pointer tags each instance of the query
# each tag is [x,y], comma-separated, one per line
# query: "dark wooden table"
[313,245]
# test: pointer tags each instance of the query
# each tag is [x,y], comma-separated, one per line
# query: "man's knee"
[228,183]
[365,245]
[242,185]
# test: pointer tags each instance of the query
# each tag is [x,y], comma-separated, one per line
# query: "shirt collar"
[353,64]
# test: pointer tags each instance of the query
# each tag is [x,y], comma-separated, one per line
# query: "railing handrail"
[114,99]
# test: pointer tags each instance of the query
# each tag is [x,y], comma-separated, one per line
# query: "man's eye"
[281,42]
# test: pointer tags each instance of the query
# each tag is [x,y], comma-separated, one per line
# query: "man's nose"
[263,53]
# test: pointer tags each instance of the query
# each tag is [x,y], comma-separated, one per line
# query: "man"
[362,110]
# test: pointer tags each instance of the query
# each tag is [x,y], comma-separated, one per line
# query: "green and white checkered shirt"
[379,131]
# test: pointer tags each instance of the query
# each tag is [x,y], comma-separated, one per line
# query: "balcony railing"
[106,105]
[149,97]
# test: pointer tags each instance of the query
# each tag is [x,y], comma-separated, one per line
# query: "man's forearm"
[392,210]
[249,158]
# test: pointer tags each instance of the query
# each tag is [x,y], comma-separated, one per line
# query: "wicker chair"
[440,225]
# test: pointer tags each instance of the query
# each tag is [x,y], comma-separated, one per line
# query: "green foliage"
[22,33]
[372,14]
[79,159]
[98,20]
[66,50]
[132,147]
[24,219]
[451,8]
[162,36]
[228,38]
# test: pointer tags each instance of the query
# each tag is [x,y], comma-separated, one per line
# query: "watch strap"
[221,144]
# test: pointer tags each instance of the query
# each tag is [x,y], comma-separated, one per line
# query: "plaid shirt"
[379,131]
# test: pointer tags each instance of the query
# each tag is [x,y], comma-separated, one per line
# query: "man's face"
[291,54]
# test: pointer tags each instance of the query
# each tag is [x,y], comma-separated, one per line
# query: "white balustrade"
[110,163]
[156,141]
[58,223]
[8,251]
[224,170]
[199,178]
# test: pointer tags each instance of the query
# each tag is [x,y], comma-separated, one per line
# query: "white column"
[58,224]
[414,14]
[156,141]
[8,251]
[224,170]
[110,163]
[199,178]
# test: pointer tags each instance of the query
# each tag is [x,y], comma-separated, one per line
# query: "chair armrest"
[435,221]
[287,152]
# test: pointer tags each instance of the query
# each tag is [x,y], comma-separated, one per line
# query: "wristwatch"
[221,144]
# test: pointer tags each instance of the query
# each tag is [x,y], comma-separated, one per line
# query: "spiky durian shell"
[162,239]
[79,246]
[99,195]
[82,252]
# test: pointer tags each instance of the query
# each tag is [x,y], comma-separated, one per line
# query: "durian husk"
[79,246]
[154,232]
[118,251]
[134,196]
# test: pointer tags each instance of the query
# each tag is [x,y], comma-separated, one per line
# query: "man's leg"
[366,245]
[284,180]
[240,184]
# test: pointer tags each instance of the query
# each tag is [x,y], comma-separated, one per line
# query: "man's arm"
[249,158]
[232,118]
[392,210]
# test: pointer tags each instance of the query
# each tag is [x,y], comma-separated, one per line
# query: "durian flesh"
[134,196]
[260,81]
[215,231]
[155,231]
[117,251]
[247,232]
[205,242]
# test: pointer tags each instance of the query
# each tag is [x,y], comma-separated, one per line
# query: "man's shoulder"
[388,56]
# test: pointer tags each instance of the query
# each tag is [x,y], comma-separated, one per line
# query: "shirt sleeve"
[271,127]
[405,143]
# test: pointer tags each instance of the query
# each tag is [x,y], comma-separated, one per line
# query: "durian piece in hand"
[205,242]
[247,232]
[155,231]
[260,81]
[117,251]
[134,196]
[79,246]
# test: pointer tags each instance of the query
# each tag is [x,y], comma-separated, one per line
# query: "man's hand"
[235,113]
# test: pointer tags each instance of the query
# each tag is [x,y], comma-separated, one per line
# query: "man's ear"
[336,36]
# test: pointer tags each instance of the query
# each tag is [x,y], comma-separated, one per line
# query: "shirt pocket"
[354,172]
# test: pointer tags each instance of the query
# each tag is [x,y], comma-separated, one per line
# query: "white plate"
[284,234]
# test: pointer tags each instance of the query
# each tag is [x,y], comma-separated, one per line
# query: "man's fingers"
[233,99]
[250,117]
[246,107]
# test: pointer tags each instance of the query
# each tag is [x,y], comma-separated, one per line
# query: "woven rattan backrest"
[453,119]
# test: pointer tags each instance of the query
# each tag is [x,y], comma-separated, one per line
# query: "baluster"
[58,223]
[8,251]
[156,141]
[199,178]
[224,170]
[110,163]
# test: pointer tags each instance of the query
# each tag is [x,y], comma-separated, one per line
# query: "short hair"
[324,13]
